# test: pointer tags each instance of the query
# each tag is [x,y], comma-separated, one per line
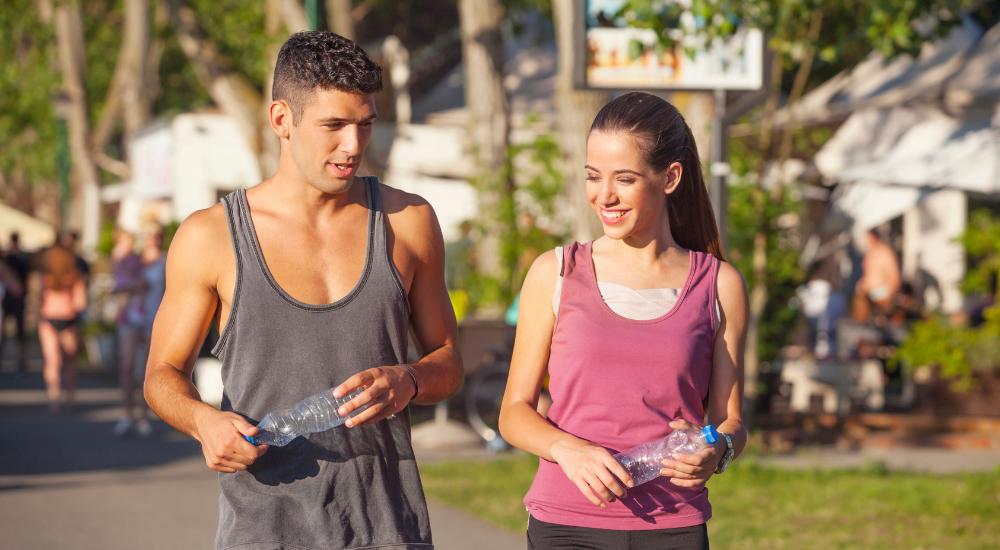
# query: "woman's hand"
[592,469]
[692,470]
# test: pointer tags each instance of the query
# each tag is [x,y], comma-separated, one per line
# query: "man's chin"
[333,186]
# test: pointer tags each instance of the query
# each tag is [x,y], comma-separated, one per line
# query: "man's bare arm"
[439,373]
[182,321]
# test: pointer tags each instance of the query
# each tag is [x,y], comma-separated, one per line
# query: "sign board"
[617,55]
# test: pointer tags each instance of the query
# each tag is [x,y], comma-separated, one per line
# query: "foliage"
[960,351]
[751,211]
[27,84]
[522,222]
[981,241]
[850,30]
[756,506]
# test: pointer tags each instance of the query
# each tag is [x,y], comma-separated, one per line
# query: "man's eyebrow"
[337,120]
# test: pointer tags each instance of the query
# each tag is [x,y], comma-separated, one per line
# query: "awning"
[887,160]
[880,83]
[34,233]
[940,151]
[979,79]
[871,204]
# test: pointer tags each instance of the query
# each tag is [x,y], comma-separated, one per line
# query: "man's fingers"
[370,395]
[374,412]
[363,378]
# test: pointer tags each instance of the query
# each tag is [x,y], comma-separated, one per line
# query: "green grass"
[763,507]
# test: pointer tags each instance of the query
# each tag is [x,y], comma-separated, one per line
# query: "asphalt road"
[67,482]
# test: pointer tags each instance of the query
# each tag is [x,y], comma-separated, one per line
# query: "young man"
[312,278]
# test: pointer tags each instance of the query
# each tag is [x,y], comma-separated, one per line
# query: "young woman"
[641,332]
[64,298]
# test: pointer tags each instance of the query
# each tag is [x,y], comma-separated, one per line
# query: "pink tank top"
[618,382]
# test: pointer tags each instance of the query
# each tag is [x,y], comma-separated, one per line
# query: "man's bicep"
[189,301]
[431,312]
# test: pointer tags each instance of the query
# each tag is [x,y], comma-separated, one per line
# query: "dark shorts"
[63,324]
[551,536]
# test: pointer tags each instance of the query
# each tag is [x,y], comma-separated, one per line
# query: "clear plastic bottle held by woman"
[645,460]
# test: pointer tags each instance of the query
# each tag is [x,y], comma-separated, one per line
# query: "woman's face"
[624,191]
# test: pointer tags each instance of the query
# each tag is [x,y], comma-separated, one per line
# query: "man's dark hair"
[321,59]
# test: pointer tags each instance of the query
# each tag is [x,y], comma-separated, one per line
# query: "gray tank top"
[344,488]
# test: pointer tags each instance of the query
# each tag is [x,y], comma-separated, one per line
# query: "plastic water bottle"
[316,413]
[645,460]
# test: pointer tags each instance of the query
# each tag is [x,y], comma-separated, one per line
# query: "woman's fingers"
[587,492]
[619,471]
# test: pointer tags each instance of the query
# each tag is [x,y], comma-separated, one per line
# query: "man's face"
[328,141]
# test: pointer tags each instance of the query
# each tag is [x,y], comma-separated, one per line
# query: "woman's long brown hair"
[59,271]
[665,138]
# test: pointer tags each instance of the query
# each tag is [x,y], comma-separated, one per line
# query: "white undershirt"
[637,304]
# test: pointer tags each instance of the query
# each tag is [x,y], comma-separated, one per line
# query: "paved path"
[66,482]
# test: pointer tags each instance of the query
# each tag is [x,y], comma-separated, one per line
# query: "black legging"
[551,536]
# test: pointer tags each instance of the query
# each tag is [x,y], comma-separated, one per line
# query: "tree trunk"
[339,18]
[758,290]
[135,48]
[577,109]
[85,206]
[230,90]
[294,16]
[487,107]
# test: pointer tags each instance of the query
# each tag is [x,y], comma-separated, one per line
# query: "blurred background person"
[69,241]
[130,289]
[63,300]
[880,280]
[19,265]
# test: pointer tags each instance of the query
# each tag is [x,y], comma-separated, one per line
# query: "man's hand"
[221,437]
[593,470]
[388,391]
[692,470]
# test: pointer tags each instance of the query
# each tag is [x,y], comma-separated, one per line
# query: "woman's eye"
[628,181]
[593,178]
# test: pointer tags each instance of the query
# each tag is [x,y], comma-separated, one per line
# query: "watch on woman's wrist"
[727,456]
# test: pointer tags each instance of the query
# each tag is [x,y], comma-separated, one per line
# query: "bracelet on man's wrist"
[413,376]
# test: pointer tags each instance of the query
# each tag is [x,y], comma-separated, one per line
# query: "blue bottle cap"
[251,440]
[710,433]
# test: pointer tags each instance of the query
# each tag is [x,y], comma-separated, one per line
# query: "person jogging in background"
[641,332]
[313,278]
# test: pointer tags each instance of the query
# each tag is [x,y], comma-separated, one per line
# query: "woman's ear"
[673,175]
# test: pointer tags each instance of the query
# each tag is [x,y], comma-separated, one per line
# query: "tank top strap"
[575,260]
[377,230]
[701,290]
[384,272]
[239,228]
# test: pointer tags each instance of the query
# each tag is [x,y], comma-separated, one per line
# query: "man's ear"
[673,175]
[280,116]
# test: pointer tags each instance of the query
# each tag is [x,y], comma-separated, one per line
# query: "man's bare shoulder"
[202,242]
[412,218]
